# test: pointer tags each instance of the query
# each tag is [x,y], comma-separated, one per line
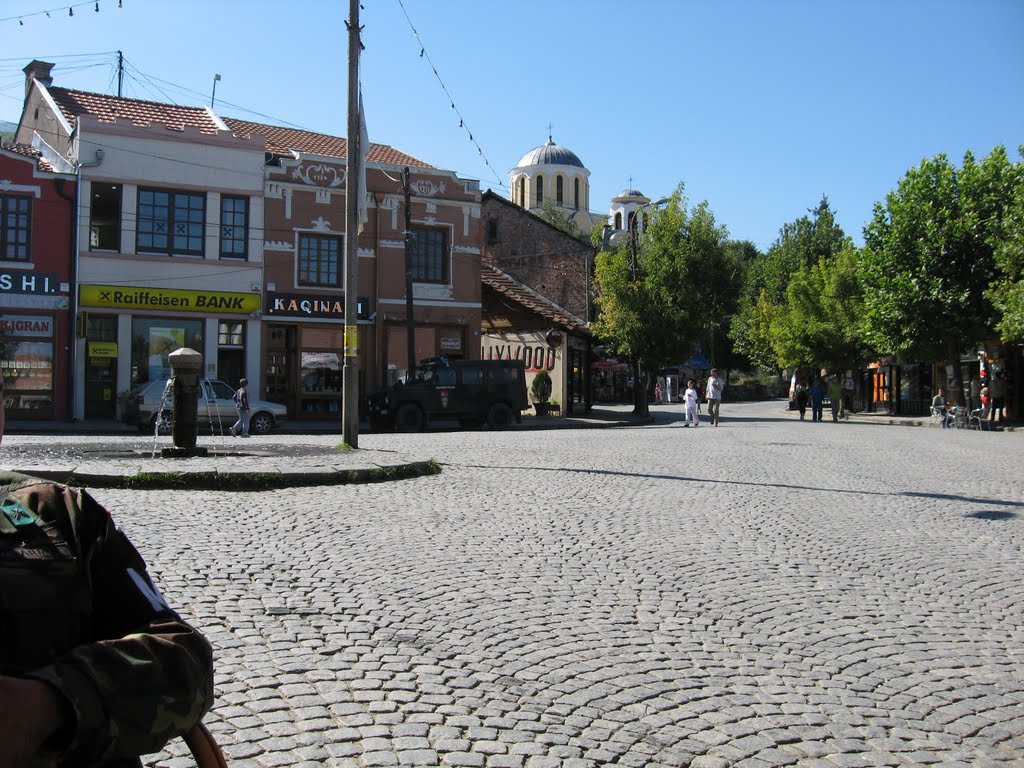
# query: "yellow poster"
[351,341]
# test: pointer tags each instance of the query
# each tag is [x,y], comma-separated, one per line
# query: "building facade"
[304,280]
[37,210]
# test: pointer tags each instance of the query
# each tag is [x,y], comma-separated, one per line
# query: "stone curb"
[237,481]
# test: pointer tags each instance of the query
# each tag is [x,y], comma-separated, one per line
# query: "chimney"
[37,70]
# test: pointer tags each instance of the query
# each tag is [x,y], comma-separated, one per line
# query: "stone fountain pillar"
[186,375]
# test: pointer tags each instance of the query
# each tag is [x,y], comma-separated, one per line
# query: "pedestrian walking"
[997,396]
[714,395]
[241,427]
[835,398]
[817,395]
[801,398]
[692,401]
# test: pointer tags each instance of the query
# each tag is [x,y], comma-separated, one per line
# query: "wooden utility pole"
[353,163]
[410,320]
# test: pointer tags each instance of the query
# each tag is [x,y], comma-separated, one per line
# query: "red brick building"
[37,211]
[303,250]
[546,273]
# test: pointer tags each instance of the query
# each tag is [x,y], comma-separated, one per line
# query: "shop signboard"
[175,299]
[17,281]
[26,325]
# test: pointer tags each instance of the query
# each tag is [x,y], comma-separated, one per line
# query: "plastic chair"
[959,420]
[204,748]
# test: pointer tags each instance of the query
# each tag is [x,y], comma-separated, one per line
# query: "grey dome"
[550,154]
[632,193]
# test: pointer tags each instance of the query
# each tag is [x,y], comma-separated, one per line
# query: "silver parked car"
[141,406]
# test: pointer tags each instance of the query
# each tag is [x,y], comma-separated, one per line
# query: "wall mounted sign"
[175,299]
[14,281]
[305,305]
[102,349]
[26,325]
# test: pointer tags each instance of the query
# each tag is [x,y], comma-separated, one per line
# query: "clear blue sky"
[759,106]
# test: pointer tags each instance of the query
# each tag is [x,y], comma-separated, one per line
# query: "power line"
[70,9]
[451,101]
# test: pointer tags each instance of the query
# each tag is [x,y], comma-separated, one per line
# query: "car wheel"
[166,420]
[409,418]
[260,423]
[499,416]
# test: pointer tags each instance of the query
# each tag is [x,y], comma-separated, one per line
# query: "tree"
[820,322]
[560,219]
[1007,293]
[929,258]
[801,245]
[661,290]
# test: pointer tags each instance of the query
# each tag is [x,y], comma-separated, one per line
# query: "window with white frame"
[234,227]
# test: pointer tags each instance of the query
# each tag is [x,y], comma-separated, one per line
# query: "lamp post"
[639,373]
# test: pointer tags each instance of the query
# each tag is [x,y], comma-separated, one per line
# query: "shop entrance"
[282,358]
[101,367]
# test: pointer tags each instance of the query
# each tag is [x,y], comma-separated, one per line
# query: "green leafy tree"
[929,258]
[561,219]
[1007,293]
[659,293]
[801,245]
[820,322]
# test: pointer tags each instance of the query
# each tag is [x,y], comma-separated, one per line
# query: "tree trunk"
[639,389]
[957,394]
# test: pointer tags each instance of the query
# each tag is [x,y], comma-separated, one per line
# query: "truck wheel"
[409,418]
[499,416]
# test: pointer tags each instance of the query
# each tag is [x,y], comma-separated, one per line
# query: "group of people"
[713,395]
[840,397]
[95,668]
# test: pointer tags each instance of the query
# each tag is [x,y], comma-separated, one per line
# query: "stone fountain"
[186,374]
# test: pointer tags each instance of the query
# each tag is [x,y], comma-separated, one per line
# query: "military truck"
[473,392]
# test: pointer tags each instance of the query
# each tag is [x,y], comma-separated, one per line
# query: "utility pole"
[120,73]
[353,161]
[409,319]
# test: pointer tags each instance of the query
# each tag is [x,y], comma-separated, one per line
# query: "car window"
[221,390]
[445,377]
[471,374]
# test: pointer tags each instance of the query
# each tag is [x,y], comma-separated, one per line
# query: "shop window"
[105,217]
[170,222]
[428,255]
[559,190]
[27,369]
[318,261]
[153,339]
[230,350]
[15,225]
[234,227]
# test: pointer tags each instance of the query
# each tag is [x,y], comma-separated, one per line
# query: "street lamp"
[634,227]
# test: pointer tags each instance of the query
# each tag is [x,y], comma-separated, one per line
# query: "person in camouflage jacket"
[95,668]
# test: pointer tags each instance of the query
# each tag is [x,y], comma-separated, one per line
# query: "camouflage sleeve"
[142,675]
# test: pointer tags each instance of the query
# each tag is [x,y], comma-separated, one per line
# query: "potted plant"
[540,392]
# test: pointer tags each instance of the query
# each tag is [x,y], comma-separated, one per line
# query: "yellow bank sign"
[132,297]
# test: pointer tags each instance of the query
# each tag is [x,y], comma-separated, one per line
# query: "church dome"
[550,154]
[631,193]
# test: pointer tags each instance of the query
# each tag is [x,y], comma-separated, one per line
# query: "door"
[101,367]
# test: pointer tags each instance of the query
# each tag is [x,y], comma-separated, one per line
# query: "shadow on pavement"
[618,473]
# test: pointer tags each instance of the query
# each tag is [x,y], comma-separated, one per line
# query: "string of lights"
[462,120]
[48,13]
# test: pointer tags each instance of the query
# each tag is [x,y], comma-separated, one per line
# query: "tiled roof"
[282,140]
[27,151]
[525,296]
[108,108]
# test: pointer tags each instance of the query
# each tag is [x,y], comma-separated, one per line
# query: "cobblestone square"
[764,593]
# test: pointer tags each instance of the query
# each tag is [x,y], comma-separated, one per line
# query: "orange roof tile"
[283,140]
[109,108]
[522,294]
[30,152]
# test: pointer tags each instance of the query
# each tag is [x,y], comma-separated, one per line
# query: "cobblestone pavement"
[764,593]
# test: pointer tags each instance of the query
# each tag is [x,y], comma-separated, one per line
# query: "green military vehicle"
[473,392]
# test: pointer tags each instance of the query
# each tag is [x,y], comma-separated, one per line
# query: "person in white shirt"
[714,395]
[692,400]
